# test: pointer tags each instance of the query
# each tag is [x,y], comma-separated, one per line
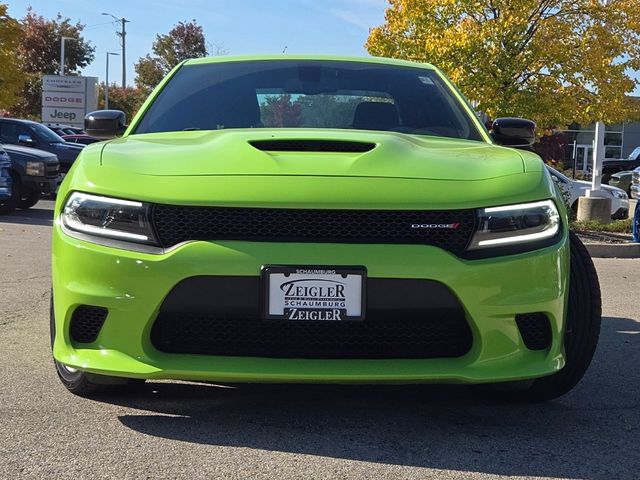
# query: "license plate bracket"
[313,293]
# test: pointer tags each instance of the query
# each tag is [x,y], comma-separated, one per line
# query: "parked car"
[33,134]
[6,191]
[33,173]
[622,180]
[613,166]
[578,188]
[635,184]
[72,134]
[62,129]
[395,242]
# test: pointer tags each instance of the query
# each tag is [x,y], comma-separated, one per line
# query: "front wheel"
[86,384]
[28,198]
[580,338]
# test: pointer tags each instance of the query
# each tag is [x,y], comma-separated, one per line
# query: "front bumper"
[40,184]
[132,286]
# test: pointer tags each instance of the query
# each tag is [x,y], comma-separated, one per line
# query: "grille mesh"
[86,322]
[404,318]
[535,330]
[371,338]
[174,224]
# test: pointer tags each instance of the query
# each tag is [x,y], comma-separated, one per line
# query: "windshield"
[308,94]
[45,133]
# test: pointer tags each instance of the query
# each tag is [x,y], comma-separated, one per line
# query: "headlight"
[527,224]
[621,194]
[35,169]
[108,217]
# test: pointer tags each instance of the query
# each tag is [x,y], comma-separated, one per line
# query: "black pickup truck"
[26,133]
[33,172]
[612,166]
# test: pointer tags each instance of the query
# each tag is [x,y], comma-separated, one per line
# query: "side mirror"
[105,124]
[25,139]
[513,132]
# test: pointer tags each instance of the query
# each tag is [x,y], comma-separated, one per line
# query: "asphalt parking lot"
[186,430]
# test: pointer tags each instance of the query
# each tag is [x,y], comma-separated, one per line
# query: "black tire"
[86,384]
[584,316]
[28,198]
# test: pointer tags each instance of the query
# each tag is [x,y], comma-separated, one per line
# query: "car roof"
[20,120]
[285,57]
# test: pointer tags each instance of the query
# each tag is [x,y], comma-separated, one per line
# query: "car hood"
[232,152]
[28,152]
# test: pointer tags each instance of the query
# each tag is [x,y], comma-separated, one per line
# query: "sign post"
[67,99]
[596,205]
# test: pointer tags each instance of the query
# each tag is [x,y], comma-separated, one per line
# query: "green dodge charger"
[316,219]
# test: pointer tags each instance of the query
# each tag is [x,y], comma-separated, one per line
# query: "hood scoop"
[312,145]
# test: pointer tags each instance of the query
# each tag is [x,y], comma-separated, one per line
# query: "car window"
[8,133]
[45,133]
[308,94]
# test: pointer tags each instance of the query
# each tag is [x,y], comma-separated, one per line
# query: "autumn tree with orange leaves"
[555,61]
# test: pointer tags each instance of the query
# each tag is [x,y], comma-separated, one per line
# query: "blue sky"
[241,26]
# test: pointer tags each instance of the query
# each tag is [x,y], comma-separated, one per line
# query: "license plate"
[300,293]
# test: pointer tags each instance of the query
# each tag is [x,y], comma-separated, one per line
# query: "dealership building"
[620,140]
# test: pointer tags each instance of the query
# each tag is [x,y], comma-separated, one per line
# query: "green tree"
[128,99]
[281,111]
[185,40]
[39,53]
[555,61]
[328,111]
[11,75]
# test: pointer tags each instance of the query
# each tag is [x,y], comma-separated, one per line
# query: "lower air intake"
[535,330]
[86,322]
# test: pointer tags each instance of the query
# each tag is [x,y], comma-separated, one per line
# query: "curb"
[613,250]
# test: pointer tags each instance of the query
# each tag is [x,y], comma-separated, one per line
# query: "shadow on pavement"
[590,433]
[31,216]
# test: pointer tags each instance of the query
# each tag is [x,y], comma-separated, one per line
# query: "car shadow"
[30,216]
[590,433]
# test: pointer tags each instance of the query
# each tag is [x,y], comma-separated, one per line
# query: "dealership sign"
[66,100]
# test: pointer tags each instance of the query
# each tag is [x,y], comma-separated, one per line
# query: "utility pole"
[106,83]
[62,40]
[122,34]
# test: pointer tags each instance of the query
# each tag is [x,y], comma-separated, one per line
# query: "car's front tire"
[28,198]
[581,333]
[87,384]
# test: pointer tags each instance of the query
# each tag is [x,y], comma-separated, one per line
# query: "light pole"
[62,40]
[122,34]
[106,83]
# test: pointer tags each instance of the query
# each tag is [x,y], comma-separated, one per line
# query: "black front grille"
[221,316]
[86,322]
[52,169]
[447,229]
[535,330]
